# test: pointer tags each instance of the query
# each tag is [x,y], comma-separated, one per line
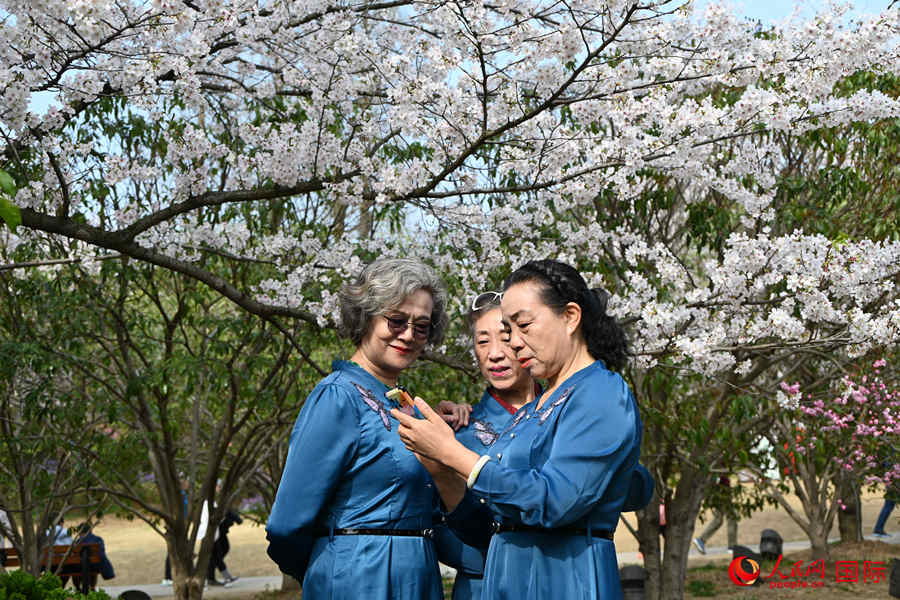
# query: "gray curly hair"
[385,284]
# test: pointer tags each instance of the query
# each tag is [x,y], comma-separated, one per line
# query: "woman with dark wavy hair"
[353,514]
[559,475]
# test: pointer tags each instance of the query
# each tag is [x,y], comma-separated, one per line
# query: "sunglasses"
[397,325]
[486,299]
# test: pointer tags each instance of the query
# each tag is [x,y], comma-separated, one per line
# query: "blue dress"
[487,420]
[347,468]
[572,463]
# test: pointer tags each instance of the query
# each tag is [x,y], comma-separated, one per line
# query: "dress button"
[512,435]
[482,500]
[499,456]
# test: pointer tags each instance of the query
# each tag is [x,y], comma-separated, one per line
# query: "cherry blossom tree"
[640,141]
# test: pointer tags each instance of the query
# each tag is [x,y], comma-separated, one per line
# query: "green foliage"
[7,185]
[19,585]
[9,212]
[50,429]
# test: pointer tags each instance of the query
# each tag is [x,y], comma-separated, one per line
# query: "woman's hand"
[432,442]
[456,414]
[431,438]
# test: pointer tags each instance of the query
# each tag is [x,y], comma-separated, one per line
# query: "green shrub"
[19,585]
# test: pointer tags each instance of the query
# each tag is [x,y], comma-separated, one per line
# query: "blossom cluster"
[863,419]
[306,134]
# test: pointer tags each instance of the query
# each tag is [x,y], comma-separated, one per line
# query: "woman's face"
[541,339]
[497,361]
[395,338]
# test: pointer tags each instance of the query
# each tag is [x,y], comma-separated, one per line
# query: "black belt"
[325,532]
[600,533]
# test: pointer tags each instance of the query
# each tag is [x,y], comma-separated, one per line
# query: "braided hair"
[562,284]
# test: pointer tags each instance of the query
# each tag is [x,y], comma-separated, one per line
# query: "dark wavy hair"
[560,284]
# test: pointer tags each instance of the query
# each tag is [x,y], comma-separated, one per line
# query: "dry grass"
[138,553]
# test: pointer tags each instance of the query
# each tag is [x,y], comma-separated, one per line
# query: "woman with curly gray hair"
[353,514]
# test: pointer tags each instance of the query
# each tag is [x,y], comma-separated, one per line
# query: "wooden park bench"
[81,562]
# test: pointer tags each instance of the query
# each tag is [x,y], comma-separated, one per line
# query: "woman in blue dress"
[559,475]
[353,514]
[509,388]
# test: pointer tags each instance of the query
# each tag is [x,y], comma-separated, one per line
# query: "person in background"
[561,472]
[221,548]
[87,536]
[5,527]
[725,513]
[59,535]
[891,497]
[202,526]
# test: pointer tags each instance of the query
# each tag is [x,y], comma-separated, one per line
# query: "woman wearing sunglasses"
[353,514]
[561,471]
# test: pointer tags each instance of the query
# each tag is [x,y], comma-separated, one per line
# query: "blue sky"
[771,11]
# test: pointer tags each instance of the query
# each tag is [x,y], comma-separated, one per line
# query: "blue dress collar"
[353,370]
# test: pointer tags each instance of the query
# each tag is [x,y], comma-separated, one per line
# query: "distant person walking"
[719,515]
[891,497]
[221,548]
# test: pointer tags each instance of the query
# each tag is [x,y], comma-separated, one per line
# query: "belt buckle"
[428,533]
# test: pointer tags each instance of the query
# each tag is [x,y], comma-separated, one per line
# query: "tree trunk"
[681,514]
[849,516]
[188,577]
[818,539]
[665,578]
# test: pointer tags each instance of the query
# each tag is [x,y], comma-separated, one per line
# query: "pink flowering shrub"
[862,417]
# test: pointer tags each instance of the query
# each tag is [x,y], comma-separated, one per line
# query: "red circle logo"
[739,575]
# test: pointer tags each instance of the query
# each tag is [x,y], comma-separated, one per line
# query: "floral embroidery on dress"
[545,414]
[485,432]
[374,403]
[519,416]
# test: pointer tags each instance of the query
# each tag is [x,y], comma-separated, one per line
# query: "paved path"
[250,585]
[241,587]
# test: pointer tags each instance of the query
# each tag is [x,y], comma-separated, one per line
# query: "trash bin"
[632,579]
[770,544]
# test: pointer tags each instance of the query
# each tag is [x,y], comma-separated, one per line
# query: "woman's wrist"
[476,470]
[462,460]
